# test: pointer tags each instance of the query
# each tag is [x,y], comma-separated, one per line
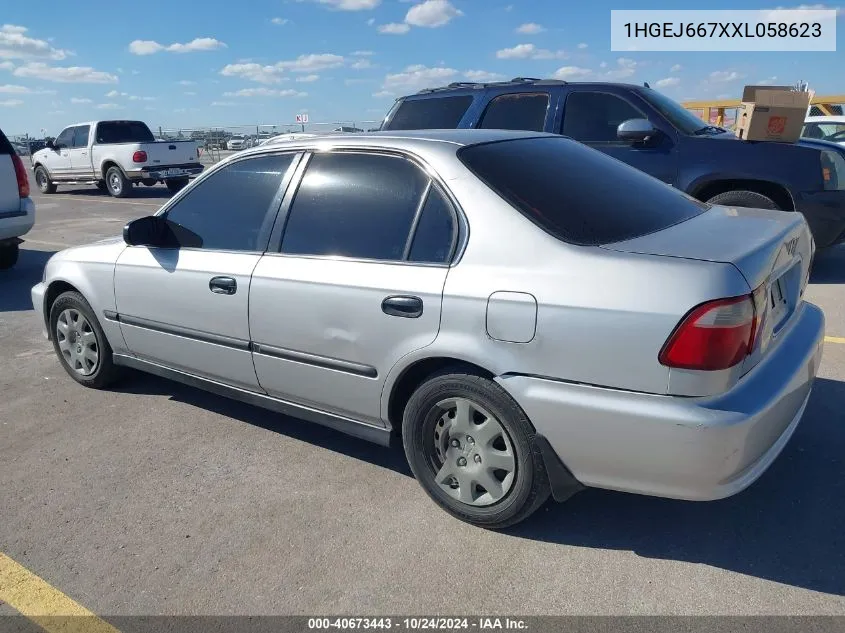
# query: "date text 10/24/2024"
[418,624]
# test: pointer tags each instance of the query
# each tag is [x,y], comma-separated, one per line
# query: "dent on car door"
[592,118]
[357,284]
[184,303]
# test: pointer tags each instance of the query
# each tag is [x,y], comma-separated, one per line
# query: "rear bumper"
[19,222]
[163,172]
[825,213]
[683,448]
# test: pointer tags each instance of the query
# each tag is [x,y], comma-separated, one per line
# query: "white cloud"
[394,28]
[625,68]
[151,47]
[667,82]
[264,92]
[80,100]
[676,68]
[7,66]
[383,93]
[768,81]
[137,98]
[351,5]
[279,21]
[64,74]
[571,72]
[724,76]
[223,104]
[362,53]
[12,89]
[253,72]
[530,28]
[187,82]
[529,51]
[114,93]
[108,106]
[483,76]
[603,65]
[583,45]
[273,73]
[308,63]
[361,64]
[417,77]
[432,13]
[14,44]
[800,12]
[308,78]
[11,103]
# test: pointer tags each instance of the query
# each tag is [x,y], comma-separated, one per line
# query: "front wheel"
[116,183]
[176,184]
[469,445]
[744,199]
[42,179]
[9,255]
[79,342]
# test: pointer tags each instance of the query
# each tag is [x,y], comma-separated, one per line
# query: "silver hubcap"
[476,461]
[77,342]
[41,179]
[114,182]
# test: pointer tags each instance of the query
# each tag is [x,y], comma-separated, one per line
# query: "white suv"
[17,210]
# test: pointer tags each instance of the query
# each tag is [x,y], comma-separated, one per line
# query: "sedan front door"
[357,284]
[185,306]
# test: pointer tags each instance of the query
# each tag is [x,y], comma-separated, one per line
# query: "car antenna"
[645,83]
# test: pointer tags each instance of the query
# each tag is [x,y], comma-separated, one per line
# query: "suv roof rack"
[480,86]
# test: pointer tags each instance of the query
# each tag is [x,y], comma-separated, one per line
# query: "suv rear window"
[575,193]
[5,146]
[123,132]
[436,113]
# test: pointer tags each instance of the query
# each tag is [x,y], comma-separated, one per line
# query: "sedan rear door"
[357,283]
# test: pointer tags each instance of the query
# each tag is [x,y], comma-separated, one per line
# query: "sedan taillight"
[715,335]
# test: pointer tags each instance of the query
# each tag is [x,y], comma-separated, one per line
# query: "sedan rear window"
[123,132]
[436,113]
[576,193]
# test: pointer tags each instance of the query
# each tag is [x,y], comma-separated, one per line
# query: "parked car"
[653,133]
[114,155]
[628,337]
[17,210]
[825,128]
[236,143]
[293,136]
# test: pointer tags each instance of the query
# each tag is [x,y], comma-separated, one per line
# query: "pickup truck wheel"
[116,183]
[176,184]
[743,199]
[42,179]
[8,255]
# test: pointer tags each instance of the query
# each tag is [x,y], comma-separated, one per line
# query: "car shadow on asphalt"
[142,192]
[787,527]
[16,283]
[829,266]
[392,458]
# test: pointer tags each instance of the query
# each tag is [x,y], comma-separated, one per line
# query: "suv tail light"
[20,173]
[717,334]
[139,157]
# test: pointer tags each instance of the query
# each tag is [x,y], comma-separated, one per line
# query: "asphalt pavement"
[154,498]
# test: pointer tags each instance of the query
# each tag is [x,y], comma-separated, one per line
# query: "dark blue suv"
[653,133]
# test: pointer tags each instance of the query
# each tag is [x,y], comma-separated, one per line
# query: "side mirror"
[636,130]
[147,231]
[50,144]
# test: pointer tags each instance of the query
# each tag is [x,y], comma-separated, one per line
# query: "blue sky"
[173,64]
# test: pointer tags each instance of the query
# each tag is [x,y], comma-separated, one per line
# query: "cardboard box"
[772,113]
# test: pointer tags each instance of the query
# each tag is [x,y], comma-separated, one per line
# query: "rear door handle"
[223,285]
[402,306]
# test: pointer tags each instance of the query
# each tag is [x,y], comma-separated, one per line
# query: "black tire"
[105,371]
[175,185]
[101,185]
[530,485]
[744,199]
[42,179]
[9,255]
[117,184]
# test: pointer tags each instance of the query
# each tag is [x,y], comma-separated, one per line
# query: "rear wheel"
[116,183]
[80,343]
[176,184]
[470,447]
[42,179]
[9,255]
[743,199]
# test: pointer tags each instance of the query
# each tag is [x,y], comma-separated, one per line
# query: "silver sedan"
[531,316]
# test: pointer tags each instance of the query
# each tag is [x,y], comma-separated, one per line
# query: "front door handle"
[403,306]
[223,285]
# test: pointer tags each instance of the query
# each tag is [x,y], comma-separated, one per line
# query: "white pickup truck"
[114,155]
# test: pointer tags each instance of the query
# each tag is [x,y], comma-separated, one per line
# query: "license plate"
[777,297]
[173,172]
